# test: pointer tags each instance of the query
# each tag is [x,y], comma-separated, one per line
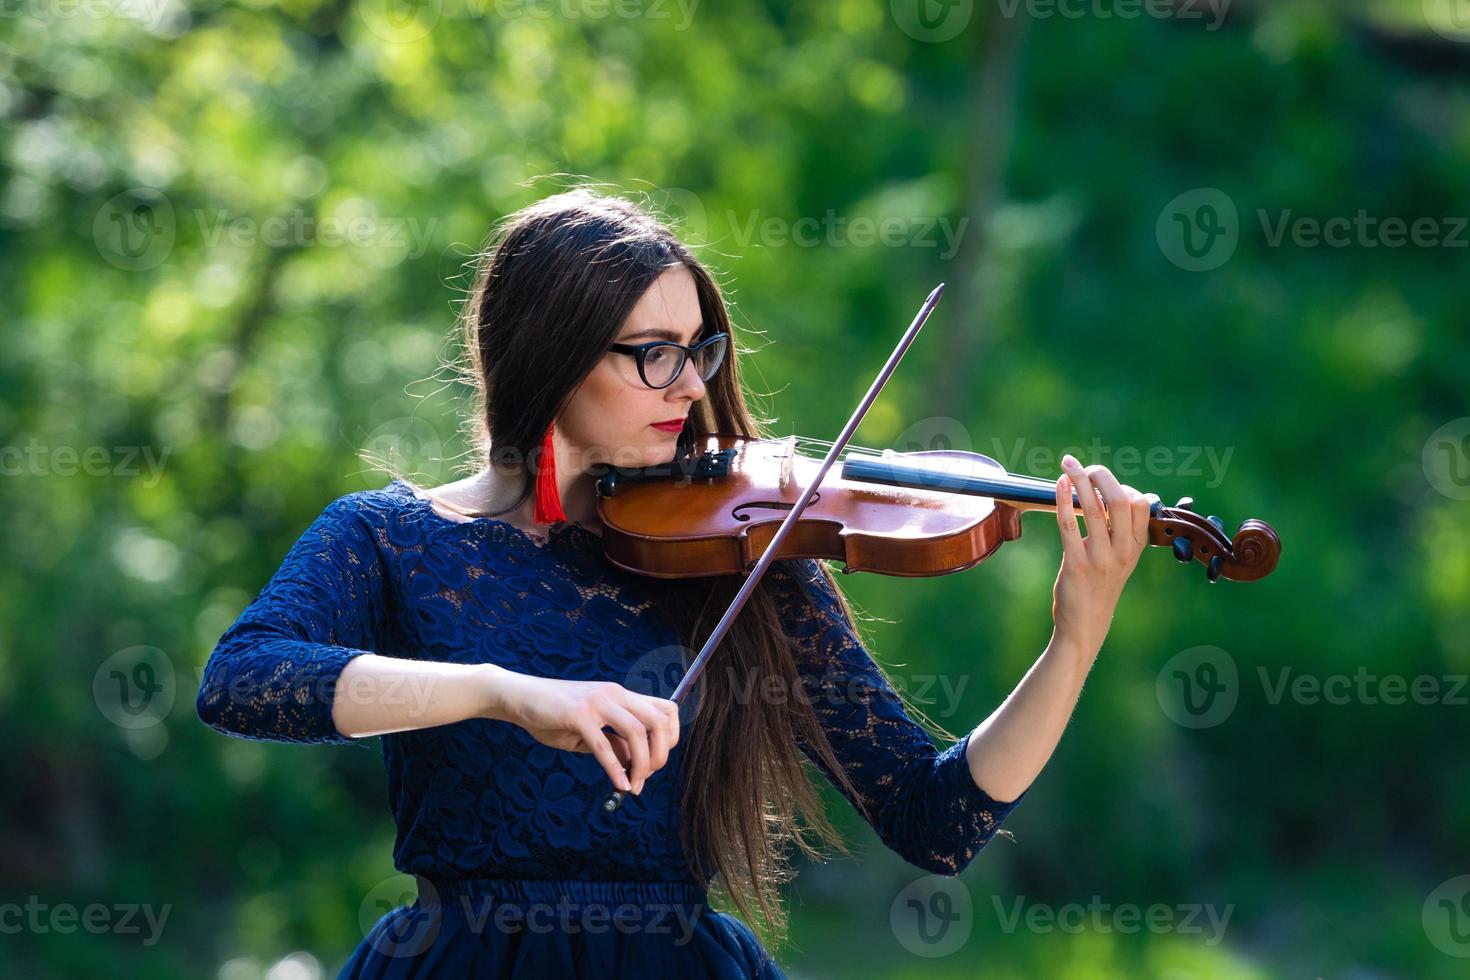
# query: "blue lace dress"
[520,870]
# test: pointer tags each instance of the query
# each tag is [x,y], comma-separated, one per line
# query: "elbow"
[212,703]
[944,864]
[209,705]
[943,847]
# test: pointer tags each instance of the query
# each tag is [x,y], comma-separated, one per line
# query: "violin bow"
[753,579]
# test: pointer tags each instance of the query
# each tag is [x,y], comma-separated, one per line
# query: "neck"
[578,497]
[577,488]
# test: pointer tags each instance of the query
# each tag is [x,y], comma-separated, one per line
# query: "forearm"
[1008,750]
[378,695]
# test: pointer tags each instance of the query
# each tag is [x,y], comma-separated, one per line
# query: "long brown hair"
[552,287]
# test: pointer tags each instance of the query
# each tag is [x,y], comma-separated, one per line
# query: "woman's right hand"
[571,715]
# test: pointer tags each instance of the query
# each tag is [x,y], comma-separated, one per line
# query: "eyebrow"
[662,334]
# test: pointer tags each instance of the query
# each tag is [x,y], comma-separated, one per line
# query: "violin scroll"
[1250,555]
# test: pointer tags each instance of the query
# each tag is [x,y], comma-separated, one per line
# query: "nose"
[688,382]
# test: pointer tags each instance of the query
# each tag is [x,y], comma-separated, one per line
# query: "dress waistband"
[435,891]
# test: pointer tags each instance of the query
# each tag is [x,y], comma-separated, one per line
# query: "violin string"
[812,441]
[1015,479]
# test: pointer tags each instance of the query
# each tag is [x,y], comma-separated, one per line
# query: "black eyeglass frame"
[639,353]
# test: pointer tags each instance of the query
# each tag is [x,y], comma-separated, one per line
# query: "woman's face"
[610,416]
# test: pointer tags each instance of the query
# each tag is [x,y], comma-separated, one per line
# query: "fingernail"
[1068,461]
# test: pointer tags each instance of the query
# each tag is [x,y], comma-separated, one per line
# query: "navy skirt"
[521,927]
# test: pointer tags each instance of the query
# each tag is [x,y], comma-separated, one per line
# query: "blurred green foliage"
[232,237]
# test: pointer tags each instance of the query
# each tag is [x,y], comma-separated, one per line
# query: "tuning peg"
[1217,522]
[1183,550]
[1185,503]
[1215,567]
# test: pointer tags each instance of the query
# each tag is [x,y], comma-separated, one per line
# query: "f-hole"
[739,512]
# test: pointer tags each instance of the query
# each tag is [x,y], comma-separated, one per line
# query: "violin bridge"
[788,457]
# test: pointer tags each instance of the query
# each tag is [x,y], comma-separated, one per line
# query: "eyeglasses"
[661,361]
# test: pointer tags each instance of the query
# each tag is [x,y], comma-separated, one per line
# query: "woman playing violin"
[478,629]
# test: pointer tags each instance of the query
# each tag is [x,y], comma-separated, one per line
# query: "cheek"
[612,417]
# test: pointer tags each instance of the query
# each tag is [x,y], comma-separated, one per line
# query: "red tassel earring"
[548,497]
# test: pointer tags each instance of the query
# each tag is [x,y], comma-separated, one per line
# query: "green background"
[171,292]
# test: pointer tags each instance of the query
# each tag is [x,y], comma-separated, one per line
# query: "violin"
[728,504]
[716,511]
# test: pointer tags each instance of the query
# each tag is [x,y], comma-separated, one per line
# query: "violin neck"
[1021,492]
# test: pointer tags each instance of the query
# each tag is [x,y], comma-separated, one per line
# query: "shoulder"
[466,493]
[364,513]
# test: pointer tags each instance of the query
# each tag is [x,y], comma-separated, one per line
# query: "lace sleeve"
[924,803]
[274,672]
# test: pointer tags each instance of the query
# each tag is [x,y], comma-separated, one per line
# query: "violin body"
[721,520]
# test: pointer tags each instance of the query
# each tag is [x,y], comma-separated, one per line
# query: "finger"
[602,749]
[620,748]
[670,707]
[627,725]
[1120,505]
[1067,518]
[662,711]
[1142,508]
[1092,510]
[658,731]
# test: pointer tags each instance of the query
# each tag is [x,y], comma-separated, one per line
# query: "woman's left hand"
[1095,569]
